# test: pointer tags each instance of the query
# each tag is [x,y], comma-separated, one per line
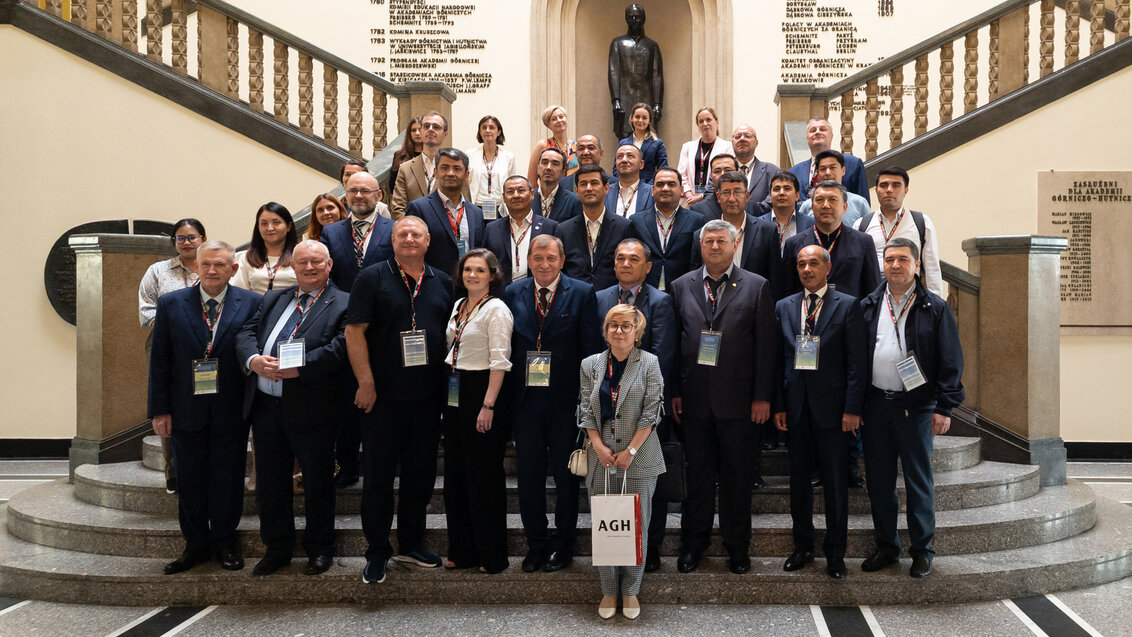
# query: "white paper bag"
[617,537]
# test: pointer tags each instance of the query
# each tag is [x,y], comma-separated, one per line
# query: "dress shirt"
[369,221]
[906,228]
[738,259]
[664,226]
[890,343]
[485,186]
[730,269]
[257,279]
[275,387]
[634,292]
[453,210]
[786,232]
[805,302]
[594,229]
[547,201]
[485,341]
[747,168]
[553,287]
[519,250]
[858,207]
[626,207]
[429,165]
[160,279]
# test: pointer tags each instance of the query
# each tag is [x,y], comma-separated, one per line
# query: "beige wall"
[133,156]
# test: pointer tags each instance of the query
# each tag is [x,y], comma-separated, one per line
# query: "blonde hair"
[623,309]
[550,111]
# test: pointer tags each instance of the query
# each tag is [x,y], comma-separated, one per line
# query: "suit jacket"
[744,371]
[839,383]
[180,336]
[854,179]
[339,240]
[760,250]
[566,205]
[497,238]
[412,184]
[443,254]
[661,335]
[709,208]
[676,258]
[599,271]
[571,332]
[654,154]
[644,198]
[314,398]
[758,180]
[854,272]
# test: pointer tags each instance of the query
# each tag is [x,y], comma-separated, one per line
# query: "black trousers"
[826,441]
[404,433]
[349,434]
[658,519]
[717,450]
[277,445]
[210,475]
[544,435]
[475,489]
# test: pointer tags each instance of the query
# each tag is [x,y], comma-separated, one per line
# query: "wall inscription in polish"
[820,43]
[428,40]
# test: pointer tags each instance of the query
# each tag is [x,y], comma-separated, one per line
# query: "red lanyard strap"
[897,316]
[455,221]
[888,235]
[414,291]
[360,243]
[211,325]
[519,240]
[543,312]
[460,325]
[301,311]
[836,235]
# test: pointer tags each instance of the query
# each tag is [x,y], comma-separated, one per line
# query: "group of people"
[596,304]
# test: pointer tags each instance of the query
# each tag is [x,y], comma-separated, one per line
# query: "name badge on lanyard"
[454,389]
[806,352]
[538,369]
[490,208]
[414,348]
[292,353]
[206,377]
[709,347]
[910,374]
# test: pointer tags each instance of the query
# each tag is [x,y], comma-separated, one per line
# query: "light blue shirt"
[858,207]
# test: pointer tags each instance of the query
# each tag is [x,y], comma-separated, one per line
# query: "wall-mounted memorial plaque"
[1093,209]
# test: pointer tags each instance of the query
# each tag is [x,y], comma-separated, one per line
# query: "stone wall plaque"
[1093,210]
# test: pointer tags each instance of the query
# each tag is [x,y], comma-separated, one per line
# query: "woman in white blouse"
[489,165]
[695,156]
[266,264]
[479,339]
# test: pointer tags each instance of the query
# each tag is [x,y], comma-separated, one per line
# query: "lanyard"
[836,235]
[808,317]
[455,221]
[413,291]
[543,313]
[460,325]
[519,240]
[360,243]
[888,235]
[591,241]
[271,272]
[211,326]
[628,200]
[664,232]
[782,232]
[428,177]
[489,167]
[547,203]
[701,164]
[614,392]
[301,311]
[897,316]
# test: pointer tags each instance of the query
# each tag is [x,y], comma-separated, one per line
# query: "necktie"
[543,302]
[289,327]
[811,304]
[359,237]
[626,297]
[212,305]
[744,168]
[715,285]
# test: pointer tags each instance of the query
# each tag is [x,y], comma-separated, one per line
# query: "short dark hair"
[634,147]
[669,169]
[493,269]
[554,150]
[353,162]
[829,183]
[731,177]
[893,170]
[436,114]
[514,177]
[724,155]
[826,154]
[903,242]
[591,168]
[452,153]
[635,242]
[782,175]
[498,124]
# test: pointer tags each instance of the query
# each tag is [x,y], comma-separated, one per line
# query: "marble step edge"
[48,516]
[1101,555]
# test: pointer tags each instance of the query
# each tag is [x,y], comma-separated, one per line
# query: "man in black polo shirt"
[395,336]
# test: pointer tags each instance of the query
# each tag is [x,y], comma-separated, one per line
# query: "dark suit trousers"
[403,433]
[277,445]
[808,439]
[210,477]
[475,489]
[546,435]
[658,519]
[890,434]
[349,435]
[717,451]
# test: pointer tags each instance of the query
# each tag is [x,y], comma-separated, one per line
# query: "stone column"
[1018,345]
[112,381]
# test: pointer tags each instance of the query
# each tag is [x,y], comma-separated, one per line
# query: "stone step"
[951,453]
[1100,555]
[130,487]
[51,516]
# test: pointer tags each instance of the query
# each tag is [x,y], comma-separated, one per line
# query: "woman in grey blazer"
[619,407]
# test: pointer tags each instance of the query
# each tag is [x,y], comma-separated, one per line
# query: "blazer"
[687,165]
[180,336]
[566,205]
[412,184]
[661,336]
[570,332]
[744,371]
[675,259]
[314,398]
[497,238]
[838,385]
[758,180]
[443,254]
[639,406]
[854,179]
[854,272]
[760,250]
[654,154]
[578,265]
[644,198]
[338,238]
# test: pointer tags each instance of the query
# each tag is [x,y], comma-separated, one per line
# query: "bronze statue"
[635,72]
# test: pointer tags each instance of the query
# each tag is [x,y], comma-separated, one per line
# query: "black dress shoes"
[815,480]
[534,561]
[854,478]
[187,560]
[268,564]
[835,567]
[797,560]
[739,563]
[768,445]
[758,483]
[879,560]
[688,561]
[345,480]
[558,560]
[230,559]
[921,566]
[652,561]
[318,564]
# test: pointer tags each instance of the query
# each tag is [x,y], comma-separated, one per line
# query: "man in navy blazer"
[551,200]
[365,232]
[196,393]
[821,395]
[509,237]
[454,223]
[667,230]
[819,137]
[758,242]
[784,205]
[555,315]
[591,238]
[628,193]
[292,410]
[853,272]
[709,206]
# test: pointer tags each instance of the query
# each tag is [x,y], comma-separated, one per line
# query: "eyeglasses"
[622,327]
[361,191]
[432,125]
[187,237]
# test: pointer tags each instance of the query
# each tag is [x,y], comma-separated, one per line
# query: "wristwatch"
[632,451]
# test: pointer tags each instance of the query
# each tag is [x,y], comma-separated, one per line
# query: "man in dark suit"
[725,382]
[454,223]
[853,272]
[822,359]
[709,207]
[784,204]
[758,243]
[589,151]
[196,392]
[744,141]
[509,237]
[591,238]
[552,200]
[628,193]
[667,230]
[362,239]
[819,137]
[556,324]
[291,401]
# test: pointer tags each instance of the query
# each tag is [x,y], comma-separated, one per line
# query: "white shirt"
[785,233]
[429,165]
[275,387]
[738,259]
[906,228]
[664,226]
[890,343]
[160,279]
[522,232]
[625,208]
[257,279]
[806,301]
[594,229]
[485,342]
[453,211]
[547,201]
[486,186]
[369,220]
